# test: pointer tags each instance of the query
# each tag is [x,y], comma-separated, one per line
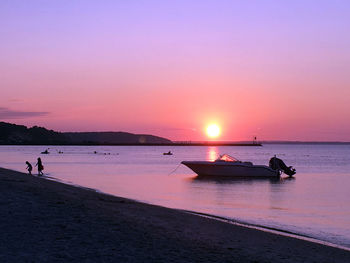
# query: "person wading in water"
[40,167]
[29,167]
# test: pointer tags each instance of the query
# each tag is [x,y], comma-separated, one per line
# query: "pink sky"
[277,71]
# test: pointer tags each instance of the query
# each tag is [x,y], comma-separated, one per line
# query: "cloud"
[6,113]
[15,100]
[175,129]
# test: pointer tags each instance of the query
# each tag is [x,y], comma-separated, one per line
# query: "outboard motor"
[277,164]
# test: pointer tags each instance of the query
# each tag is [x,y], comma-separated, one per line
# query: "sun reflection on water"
[213,153]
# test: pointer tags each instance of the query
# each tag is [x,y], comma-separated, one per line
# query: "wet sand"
[47,221]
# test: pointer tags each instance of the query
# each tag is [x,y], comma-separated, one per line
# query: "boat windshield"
[226,158]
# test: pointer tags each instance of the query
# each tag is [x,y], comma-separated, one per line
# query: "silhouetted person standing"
[40,167]
[29,167]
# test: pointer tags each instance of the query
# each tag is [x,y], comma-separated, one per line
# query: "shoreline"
[58,221]
[277,231]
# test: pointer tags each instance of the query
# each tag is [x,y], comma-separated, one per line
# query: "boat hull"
[230,169]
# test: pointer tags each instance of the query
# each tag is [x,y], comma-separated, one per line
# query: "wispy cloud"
[175,129]
[15,100]
[181,129]
[6,113]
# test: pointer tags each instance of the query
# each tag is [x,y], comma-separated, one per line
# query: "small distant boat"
[227,165]
[168,153]
[45,152]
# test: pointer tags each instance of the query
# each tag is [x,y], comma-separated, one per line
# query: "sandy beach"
[48,221]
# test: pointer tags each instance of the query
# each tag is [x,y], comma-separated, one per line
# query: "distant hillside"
[19,134]
[113,138]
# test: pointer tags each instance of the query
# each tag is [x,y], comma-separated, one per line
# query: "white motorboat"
[227,165]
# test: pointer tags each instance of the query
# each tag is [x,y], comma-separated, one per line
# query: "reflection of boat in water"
[227,165]
[239,180]
[168,153]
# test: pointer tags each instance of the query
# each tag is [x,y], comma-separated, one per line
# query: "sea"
[314,203]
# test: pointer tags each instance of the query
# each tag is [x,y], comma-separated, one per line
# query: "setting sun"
[213,130]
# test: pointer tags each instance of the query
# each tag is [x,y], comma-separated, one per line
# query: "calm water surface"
[316,203]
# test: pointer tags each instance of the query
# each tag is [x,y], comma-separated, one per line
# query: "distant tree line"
[12,134]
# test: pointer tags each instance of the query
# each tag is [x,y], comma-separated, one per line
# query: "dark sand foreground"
[47,221]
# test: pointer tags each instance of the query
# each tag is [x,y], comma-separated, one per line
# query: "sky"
[278,70]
